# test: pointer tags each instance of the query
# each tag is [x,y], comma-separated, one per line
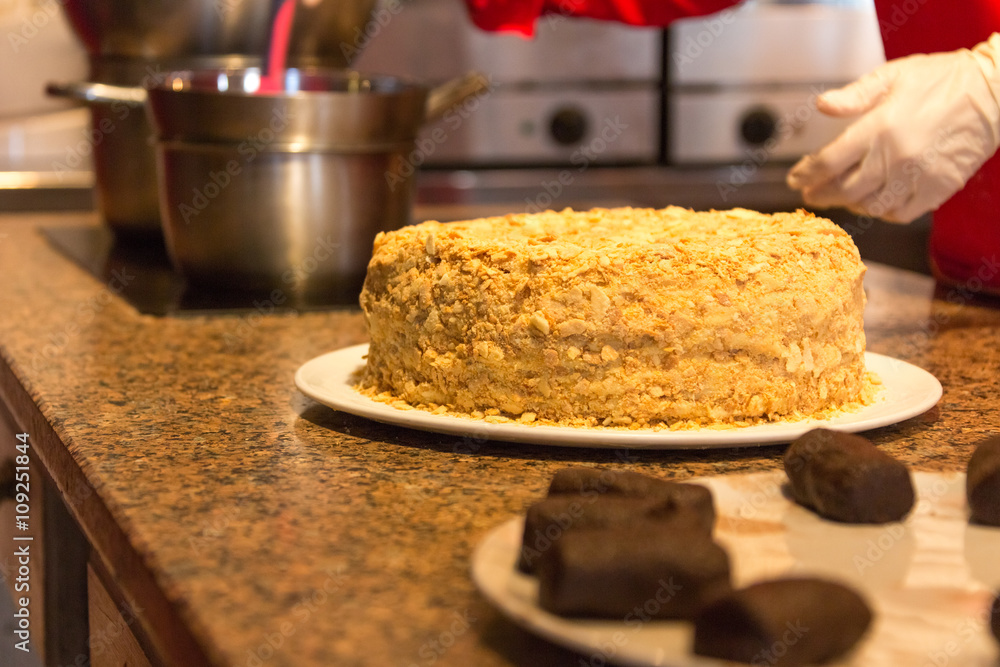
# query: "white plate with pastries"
[907,391]
[930,579]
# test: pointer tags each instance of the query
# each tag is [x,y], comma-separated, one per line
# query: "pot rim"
[299,83]
[335,109]
[291,147]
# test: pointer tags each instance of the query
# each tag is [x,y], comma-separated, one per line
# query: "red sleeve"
[520,15]
[936,27]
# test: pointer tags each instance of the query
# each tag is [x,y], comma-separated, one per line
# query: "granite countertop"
[253,525]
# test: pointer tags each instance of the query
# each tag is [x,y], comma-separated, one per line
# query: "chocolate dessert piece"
[995,618]
[632,574]
[846,478]
[783,622]
[626,483]
[547,520]
[982,483]
[623,482]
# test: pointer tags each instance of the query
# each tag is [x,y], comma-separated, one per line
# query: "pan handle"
[450,93]
[98,92]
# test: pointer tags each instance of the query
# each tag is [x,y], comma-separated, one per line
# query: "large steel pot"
[283,193]
[325,31]
[121,142]
[136,42]
[286,192]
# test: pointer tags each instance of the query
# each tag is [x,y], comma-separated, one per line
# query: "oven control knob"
[568,126]
[757,126]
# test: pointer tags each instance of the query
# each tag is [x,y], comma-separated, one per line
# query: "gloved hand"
[929,123]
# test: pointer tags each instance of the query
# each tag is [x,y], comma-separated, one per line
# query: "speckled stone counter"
[257,527]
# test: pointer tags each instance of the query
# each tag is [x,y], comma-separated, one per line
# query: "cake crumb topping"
[619,318]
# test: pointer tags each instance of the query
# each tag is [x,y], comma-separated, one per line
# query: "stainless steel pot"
[122,141]
[286,192]
[325,32]
[283,193]
[132,42]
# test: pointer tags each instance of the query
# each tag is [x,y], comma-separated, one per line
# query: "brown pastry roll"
[633,574]
[606,480]
[626,483]
[982,483]
[548,520]
[846,478]
[783,622]
[995,618]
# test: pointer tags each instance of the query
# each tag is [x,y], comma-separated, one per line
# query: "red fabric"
[965,236]
[520,15]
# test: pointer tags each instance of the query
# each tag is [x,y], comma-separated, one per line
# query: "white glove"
[929,123]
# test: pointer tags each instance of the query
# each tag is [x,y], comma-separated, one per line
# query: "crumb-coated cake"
[618,317]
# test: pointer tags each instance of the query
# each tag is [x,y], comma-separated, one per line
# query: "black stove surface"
[139,271]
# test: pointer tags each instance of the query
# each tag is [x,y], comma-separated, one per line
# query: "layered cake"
[618,317]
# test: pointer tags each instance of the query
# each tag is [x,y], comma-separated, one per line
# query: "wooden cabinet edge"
[114,626]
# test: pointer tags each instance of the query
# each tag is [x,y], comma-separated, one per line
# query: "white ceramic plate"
[908,392]
[930,580]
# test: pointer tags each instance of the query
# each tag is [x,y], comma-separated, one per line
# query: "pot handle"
[98,92]
[450,93]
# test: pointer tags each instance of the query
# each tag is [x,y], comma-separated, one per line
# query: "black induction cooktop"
[138,269]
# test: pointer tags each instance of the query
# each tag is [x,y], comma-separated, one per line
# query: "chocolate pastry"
[633,574]
[626,483]
[982,483]
[783,622]
[547,520]
[846,478]
[623,482]
[995,617]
